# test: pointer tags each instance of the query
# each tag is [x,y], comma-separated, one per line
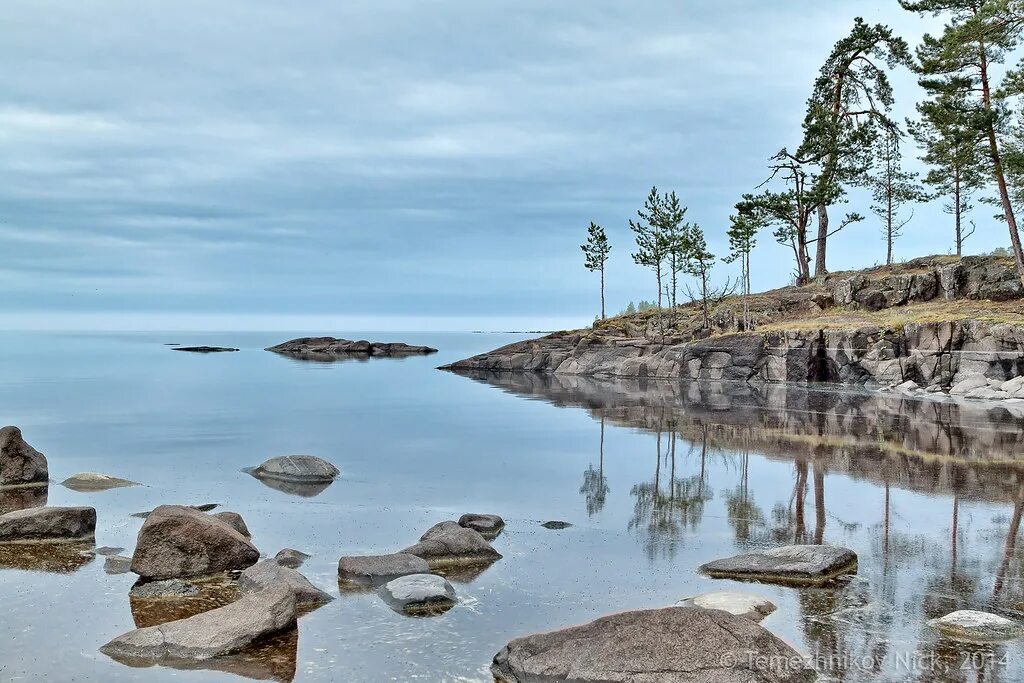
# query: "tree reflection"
[595,484]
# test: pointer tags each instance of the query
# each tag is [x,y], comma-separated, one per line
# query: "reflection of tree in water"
[664,511]
[595,484]
[746,519]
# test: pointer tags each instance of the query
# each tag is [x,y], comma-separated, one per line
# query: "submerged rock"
[20,464]
[752,607]
[291,558]
[556,524]
[204,349]
[373,570]
[171,588]
[976,626]
[48,525]
[220,631]
[669,645]
[205,507]
[108,550]
[269,574]
[94,481]
[488,526]
[117,564]
[330,349]
[419,594]
[792,564]
[447,544]
[181,542]
[235,521]
[300,468]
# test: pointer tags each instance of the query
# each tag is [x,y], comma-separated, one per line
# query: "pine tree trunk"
[888,229]
[956,213]
[602,292]
[819,257]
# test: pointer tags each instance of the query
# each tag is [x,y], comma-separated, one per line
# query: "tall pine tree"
[892,188]
[595,253]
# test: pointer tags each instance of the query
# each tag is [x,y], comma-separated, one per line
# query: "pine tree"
[675,237]
[958,70]
[699,262]
[650,243]
[742,234]
[891,189]
[595,252]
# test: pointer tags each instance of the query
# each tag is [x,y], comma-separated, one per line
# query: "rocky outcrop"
[446,544]
[790,564]
[20,464]
[670,645]
[330,349]
[48,525]
[181,542]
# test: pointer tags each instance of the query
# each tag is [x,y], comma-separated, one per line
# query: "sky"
[394,165]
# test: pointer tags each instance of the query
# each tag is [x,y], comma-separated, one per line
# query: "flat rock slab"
[171,588]
[85,482]
[373,570]
[790,564]
[268,574]
[20,464]
[419,594]
[48,525]
[752,607]
[488,526]
[219,631]
[978,627]
[447,544]
[182,542]
[204,349]
[669,645]
[291,558]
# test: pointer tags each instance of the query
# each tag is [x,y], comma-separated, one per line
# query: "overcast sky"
[390,165]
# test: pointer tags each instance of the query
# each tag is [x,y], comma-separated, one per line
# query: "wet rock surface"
[746,605]
[419,594]
[488,526]
[330,349]
[170,588]
[794,564]
[296,468]
[204,507]
[291,558]
[117,564]
[976,626]
[94,481]
[20,464]
[235,521]
[373,570]
[447,544]
[268,574]
[204,349]
[670,645]
[555,524]
[48,525]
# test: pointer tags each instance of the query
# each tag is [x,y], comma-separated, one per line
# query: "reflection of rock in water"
[293,488]
[55,558]
[269,659]
[154,611]
[22,497]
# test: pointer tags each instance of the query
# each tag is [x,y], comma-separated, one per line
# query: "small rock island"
[331,349]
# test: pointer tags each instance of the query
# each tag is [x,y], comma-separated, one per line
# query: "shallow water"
[656,478]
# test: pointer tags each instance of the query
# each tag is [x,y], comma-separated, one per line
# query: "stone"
[170,588]
[182,542]
[84,482]
[987,394]
[790,564]
[668,645]
[979,627]
[108,550]
[419,594]
[1012,386]
[216,632]
[48,525]
[291,558]
[269,574]
[968,384]
[448,544]
[299,468]
[205,507]
[117,564]
[746,605]
[235,521]
[373,570]
[908,387]
[330,349]
[488,526]
[556,524]
[20,463]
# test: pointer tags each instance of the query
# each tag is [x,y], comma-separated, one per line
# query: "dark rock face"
[204,349]
[268,574]
[488,526]
[20,463]
[181,542]
[373,570]
[790,564]
[670,645]
[330,349]
[447,544]
[48,525]
[23,497]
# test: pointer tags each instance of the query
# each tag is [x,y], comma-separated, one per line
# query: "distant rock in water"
[331,349]
[298,475]
[790,564]
[556,524]
[203,349]
[20,464]
[84,482]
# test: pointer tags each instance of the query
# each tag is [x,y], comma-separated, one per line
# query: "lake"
[656,478]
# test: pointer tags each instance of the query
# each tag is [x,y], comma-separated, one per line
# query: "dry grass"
[893,318]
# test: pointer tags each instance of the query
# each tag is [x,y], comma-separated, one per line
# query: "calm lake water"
[656,478]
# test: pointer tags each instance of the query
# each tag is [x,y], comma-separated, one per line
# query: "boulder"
[117,564]
[291,558]
[556,524]
[978,627]
[447,544]
[20,463]
[302,468]
[21,497]
[205,507]
[419,594]
[488,526]
[373,570]
[269,574]
[235,521]
[1012,386]
[85,482]
[790,564]
[669,645]
[171,588]
[746,605]
[216,632]
[329,349]
[968,384]
[108,550]
[182,542]
[987,394]
[48,525]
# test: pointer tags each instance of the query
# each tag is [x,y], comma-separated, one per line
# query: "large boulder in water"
[269,574]
[790,564]
[48,525]
[419,594]
[181,542]
[447,544]
[488,526]
[669,645]
[20,463]
[216,632]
